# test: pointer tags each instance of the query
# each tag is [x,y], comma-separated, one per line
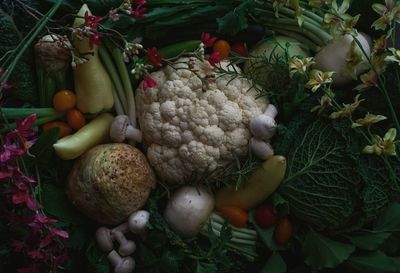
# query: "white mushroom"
[121,265]
[261,149]
[264,126]
[121,129]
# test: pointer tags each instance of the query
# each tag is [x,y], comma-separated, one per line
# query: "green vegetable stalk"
[53,54]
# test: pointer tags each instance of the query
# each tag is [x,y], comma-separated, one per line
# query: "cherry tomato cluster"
[267,218]
[225,48]
[65,101]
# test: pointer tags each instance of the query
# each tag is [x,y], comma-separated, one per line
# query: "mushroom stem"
[121,265]
[126,247]
[133,133]
[261,149]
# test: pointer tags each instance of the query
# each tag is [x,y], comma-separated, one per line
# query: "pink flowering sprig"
[43,244]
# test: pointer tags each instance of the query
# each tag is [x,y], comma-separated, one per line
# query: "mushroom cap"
[261,149]
[118,128]
[138,220]
[103,239]
[110,182]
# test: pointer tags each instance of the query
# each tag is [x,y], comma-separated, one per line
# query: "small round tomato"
[223,48]
[283,231]
[236,216]
[64,128]
[64,100]
[265,216]
[240,48]
[75,119]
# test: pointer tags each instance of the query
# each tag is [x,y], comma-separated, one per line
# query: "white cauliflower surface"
[191,127]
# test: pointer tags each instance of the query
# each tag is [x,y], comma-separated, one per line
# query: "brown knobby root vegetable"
[121,129]
[261,149]
[188,209]
[126,247]
[121,264]
[136,224]
[264,126]
[110,182]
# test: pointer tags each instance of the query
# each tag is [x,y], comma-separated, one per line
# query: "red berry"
[240,48]
[265,216]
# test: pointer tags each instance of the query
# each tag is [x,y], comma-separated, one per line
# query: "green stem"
[305,41]
[126,81]
[13,113]
[218,219]
[314,38]
[26,43]
[112,71]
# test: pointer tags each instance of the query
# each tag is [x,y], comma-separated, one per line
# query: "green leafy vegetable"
[329,184]
[369,241]
[321,252]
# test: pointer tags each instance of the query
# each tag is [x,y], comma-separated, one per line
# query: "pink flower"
[113,14]
[139,11]
[29,269]
[92,21]
[35,254]
[20,195]
[24,126]
[148,82]
[140,2]
[6,86]
[207,40]
[94,39]
[52,235]
[154,57]
[214,58]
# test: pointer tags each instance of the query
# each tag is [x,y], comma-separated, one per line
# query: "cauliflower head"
[195,120]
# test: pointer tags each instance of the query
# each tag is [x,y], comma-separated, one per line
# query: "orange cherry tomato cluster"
[267,218]
[224,48]
[65,101]
[236,216]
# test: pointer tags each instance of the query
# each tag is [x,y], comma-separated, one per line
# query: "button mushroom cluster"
[106,238]
[263,128]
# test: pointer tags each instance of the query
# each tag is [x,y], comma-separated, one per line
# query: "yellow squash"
[94,133]
[93,86]
[262,183]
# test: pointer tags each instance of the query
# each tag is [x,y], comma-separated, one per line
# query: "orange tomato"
[223,48]
[64,100]
[236,216]
[75,119]
[283,231]
[64,128]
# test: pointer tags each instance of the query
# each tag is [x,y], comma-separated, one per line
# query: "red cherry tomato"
[240,48]
[236,216]
[265,216]
[283,231]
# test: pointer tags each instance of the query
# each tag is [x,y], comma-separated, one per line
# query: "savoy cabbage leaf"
[329,184]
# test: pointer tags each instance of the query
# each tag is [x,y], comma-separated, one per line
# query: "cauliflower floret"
[188,130]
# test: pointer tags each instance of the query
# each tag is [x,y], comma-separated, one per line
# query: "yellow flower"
[324,102]
[338,21]
[394,56]
[385,145]
[297,65]
[347,109]
[318,78]
[368,120]
[318,3]
[388,13]
[354,60]
[368,79]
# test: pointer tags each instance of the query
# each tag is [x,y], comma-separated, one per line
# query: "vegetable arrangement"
[156,138]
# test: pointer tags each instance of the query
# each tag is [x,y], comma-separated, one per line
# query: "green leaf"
[43,149]
[275,264]
[389,220]
[392,245]
[321,252]
[368,241]
[373,262]
[56,203]
[280,204]
[171,261]
[203,267]
[232,23]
